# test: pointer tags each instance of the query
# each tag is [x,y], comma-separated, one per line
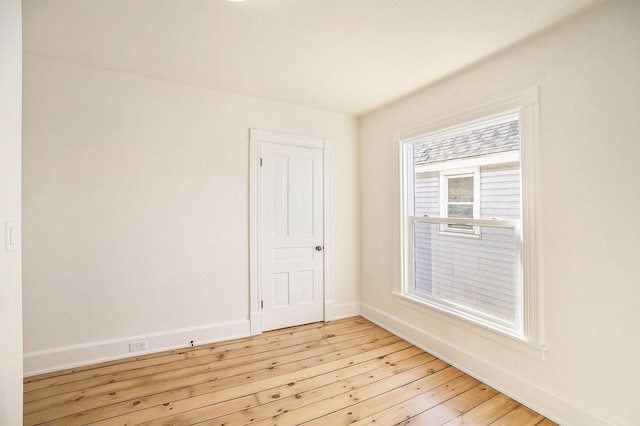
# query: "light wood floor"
[344,372]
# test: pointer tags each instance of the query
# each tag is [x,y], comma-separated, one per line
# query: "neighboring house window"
[460,199]
[474,175]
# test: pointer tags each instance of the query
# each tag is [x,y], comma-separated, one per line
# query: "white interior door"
[291,235]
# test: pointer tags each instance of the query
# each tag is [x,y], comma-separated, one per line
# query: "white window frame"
[530,339]
[445,175]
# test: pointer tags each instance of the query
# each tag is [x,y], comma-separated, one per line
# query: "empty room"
[330,212]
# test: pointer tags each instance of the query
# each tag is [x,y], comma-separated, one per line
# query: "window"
[468,214]
[460,199]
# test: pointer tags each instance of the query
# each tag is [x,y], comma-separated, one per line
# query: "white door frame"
[256,138]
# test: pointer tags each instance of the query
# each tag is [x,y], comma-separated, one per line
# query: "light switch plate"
[11,235]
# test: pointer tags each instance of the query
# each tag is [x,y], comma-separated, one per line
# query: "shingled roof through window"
[488,140]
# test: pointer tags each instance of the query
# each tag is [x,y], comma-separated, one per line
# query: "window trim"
[526,105]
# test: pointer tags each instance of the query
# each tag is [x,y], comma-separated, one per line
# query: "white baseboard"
[537,398]
[256,323]
[93,352]
[346,310]
[329,312]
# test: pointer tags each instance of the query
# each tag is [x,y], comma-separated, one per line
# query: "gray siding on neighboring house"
[427,194]
[478,273]
[500,192]
[426,199]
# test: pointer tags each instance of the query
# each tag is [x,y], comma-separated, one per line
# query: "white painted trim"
[544,401]
[473,324]
[255,319]
[329,307]
[287,139]
[526,105]
[39,362]
[256,137]
[531,200]
[329,310]
[495,223]
[346,310]
[402,258]
[255,289]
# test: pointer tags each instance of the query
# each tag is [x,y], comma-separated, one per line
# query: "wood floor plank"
[453,407]
[486,413]
[411,406]
[546,422]
[521,416]
[343,372]
[183,413]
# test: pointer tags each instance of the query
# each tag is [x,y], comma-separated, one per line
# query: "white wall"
[136,210]
[589,75]
[10,134]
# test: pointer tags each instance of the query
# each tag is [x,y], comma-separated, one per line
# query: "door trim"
[256,138]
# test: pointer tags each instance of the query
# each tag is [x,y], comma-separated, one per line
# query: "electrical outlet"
[138,346]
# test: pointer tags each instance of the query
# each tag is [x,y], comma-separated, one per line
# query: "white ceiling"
[347,56]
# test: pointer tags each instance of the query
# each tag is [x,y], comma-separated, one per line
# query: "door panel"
[291,226]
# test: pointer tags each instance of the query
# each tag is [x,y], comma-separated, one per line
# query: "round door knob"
[319,248]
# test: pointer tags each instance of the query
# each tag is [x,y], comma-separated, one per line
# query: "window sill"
[520,344]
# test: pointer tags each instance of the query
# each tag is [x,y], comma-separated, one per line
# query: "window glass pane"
[476,275]
[461,189]
[461,210]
